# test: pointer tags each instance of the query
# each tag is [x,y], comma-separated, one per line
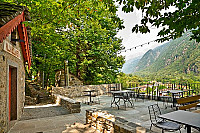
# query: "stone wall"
[6,60]
[60,79]
[102,121]
[71,105]
[77,91]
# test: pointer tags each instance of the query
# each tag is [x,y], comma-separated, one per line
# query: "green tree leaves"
[186,16]
[82,32]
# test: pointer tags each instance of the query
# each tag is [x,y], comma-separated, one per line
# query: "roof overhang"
[6,29]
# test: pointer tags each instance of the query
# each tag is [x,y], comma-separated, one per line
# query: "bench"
[70,104]
[188,102]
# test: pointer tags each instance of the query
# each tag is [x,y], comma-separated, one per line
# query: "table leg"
[112,100]
[90,97]
[188,129]
[115,102]
[173,100]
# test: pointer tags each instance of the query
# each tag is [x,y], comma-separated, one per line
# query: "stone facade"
[77,91]
[8,60]
[60,78]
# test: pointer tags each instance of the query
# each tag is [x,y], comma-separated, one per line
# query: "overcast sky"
[132,39]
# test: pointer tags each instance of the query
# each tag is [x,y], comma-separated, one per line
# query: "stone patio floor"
[55,119]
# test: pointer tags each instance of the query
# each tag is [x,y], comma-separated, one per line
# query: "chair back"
[154,111]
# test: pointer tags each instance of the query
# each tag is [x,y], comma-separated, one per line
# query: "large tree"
[93,45]
[82,32]
[186,16]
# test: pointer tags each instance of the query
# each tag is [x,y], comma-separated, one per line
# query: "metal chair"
[127,98]
[154,112]
[96,97]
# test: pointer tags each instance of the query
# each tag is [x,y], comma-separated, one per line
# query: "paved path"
[57,124]
[49,110]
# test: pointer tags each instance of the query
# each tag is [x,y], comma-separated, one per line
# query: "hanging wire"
[135,47]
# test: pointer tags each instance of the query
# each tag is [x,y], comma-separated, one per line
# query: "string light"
[137,46]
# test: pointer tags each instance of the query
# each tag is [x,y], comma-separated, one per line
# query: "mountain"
[150,57]
[129,66]
[179,57]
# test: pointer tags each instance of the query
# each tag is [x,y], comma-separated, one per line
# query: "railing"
[154,90]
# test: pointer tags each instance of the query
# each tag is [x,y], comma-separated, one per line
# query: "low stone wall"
[68,103]
[77,91]
[102,121]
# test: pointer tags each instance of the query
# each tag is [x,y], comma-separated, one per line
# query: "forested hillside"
[150,57]
[179,58]
[129,66]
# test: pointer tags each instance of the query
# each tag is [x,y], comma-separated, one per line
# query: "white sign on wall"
[8,47]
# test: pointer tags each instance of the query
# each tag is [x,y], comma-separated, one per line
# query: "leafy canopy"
[185,17]
[82,32]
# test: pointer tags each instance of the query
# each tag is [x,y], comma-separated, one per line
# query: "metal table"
[173,93]
[117,95]
[135,89]
[189,119]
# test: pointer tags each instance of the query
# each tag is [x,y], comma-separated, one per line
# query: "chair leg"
[150,126]
[124,104]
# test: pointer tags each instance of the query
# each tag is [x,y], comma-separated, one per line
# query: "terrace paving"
[49,120]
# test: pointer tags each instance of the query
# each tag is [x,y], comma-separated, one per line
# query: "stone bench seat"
[70,104]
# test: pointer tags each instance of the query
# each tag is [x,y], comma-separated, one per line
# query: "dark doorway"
[12,93]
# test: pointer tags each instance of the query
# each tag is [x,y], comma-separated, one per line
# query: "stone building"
[63,79]
[15,56]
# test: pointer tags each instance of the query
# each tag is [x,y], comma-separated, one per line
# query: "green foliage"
[185,17]
[129,80]
[82,32]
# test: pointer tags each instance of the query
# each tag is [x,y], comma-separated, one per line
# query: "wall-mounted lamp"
[17,40]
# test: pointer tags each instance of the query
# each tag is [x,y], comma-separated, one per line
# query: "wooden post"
[152,91]
[189,89]
[172,86]
[147,90]
[157,91]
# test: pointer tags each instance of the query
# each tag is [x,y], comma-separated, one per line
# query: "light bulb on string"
[138,46]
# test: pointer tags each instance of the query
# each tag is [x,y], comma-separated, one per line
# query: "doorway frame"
[15,65]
